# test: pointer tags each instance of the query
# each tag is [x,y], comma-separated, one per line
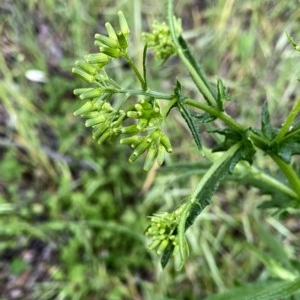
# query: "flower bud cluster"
[105,121]
[163,231]
[114,45]
[160,39]
[155,142]
[144,134]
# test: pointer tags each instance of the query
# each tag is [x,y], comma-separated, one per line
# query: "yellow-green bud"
[139,150]
[83,75]
[82,90]
[122,41]
[160,154]
[110,31]
[97,58]
[123,24]
[94,121]
[87,107]
[91,94]
[112,52]
[150,158]
[164,140]
[107,41]
[86,67]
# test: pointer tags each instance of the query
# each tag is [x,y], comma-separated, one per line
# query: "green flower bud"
[91,94]
[112,52]
[110,31]
[97,58]
[139,150]
[107,41]
[134,114]
[130,129]
[94,121]
[122,41]
[160,154]
[163,245]
[164,140]
[80,91]
[86,67]
[99,129]
[83,75]
[87,107]
[132,141]
[154,244]
[123,24]
[150,158]
[106,135]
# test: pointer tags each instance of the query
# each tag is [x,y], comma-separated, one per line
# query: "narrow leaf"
[188,117]
[273,290]
[268,131]
[212,179]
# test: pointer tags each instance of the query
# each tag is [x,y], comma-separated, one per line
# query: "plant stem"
[265,178]
[136,71]
[288,122]
[217,113]
[200,82]
[289,173]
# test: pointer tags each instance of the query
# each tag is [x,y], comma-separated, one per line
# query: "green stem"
[288,122]
[289,173]
[148,93]
[265,178]
[200,82]
[136,71]
[217,113]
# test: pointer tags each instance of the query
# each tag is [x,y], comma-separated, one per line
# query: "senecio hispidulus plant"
[137,118]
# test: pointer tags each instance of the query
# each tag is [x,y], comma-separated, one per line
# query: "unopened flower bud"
[97,58]
[123,24]
[88,106]
[107,41]
[84,75]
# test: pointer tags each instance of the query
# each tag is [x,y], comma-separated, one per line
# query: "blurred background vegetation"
[72,213]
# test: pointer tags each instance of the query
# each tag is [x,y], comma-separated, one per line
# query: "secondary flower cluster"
[114,45]
[160,39]
[148,120]
[163,231]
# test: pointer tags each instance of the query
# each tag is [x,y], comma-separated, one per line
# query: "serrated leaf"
[188,117]
[214,176]
[204,118]
[166,255]
[289,146]
[231,138]
[273,290]
[268,131]
[223,94]
[196,67]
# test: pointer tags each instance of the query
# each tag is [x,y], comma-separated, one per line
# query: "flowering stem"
[136,71]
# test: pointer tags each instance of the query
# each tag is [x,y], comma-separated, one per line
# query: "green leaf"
[223,94]
[196,66]
[268,131]
[269,290]
[187,115]
[289,146]
[214,176]
[166,255]
[145,85]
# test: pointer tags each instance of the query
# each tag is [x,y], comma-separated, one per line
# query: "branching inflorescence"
[136,117]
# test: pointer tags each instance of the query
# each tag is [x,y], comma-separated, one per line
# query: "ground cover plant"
[73,213]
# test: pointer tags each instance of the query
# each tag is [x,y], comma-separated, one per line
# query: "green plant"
[137,116]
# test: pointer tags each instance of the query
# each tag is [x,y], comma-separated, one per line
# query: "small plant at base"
[145,130]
